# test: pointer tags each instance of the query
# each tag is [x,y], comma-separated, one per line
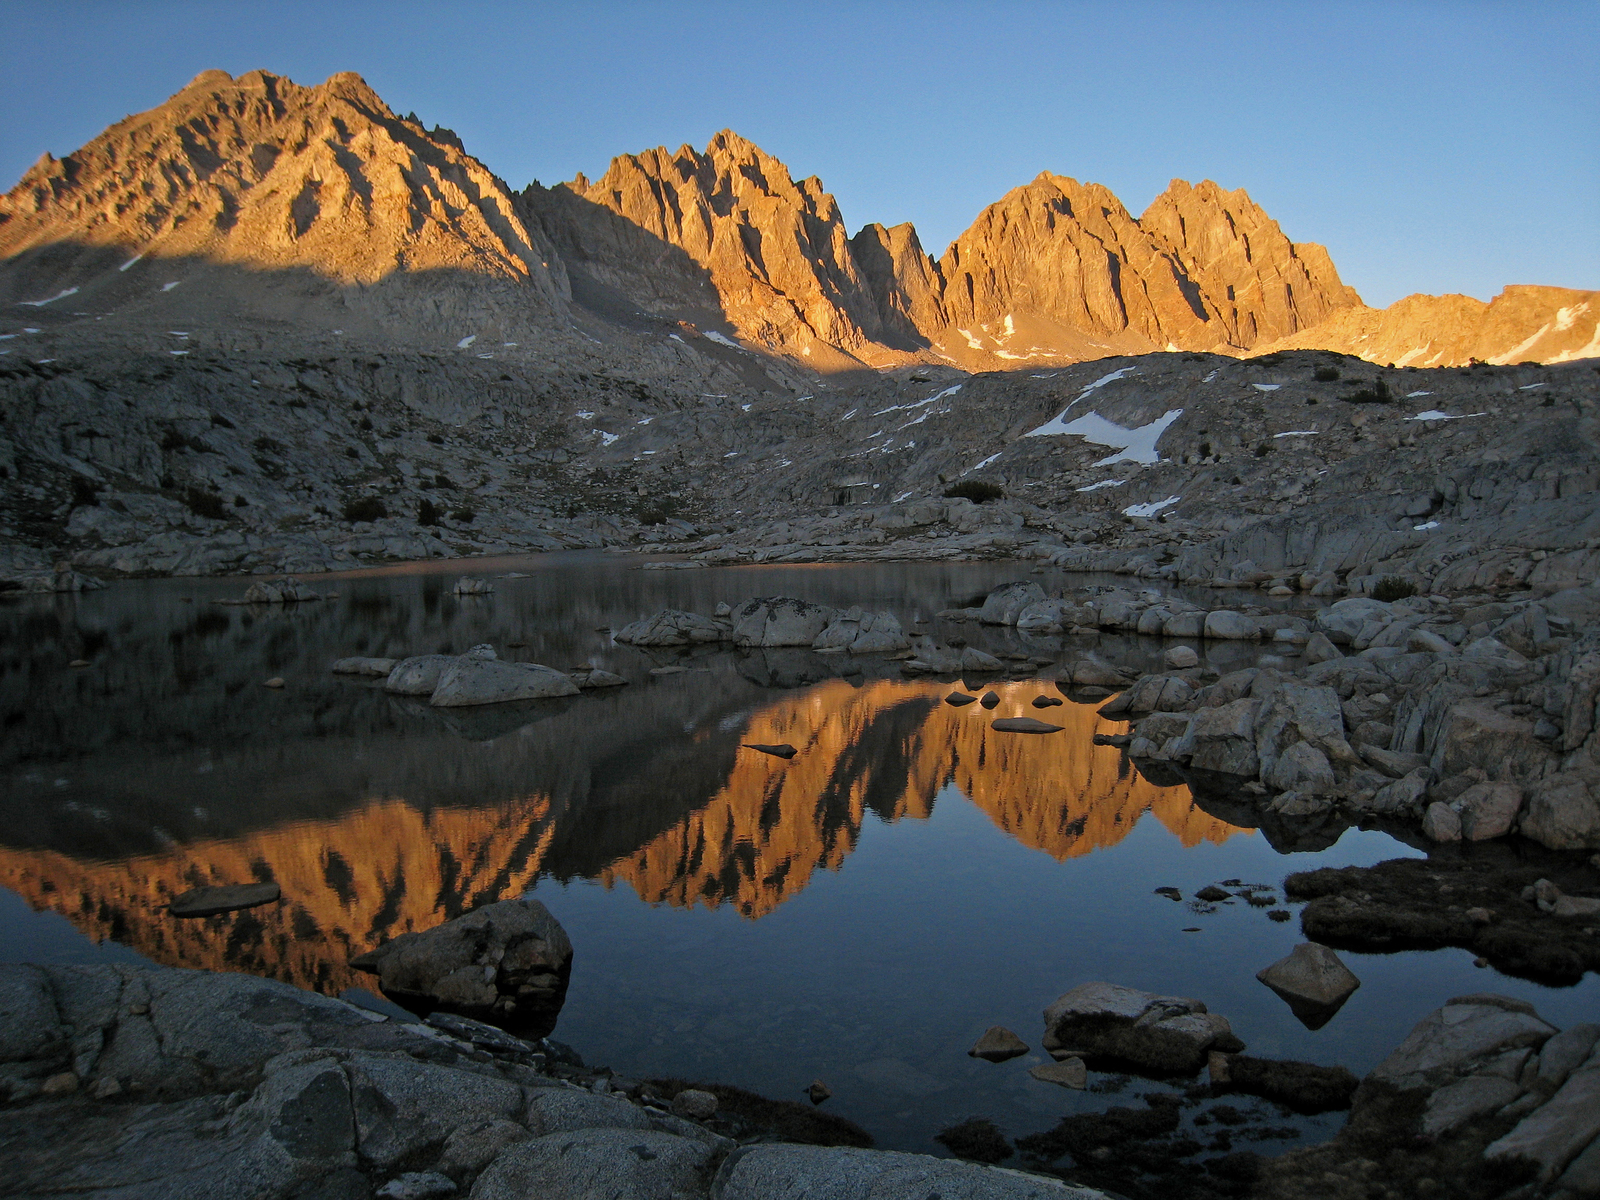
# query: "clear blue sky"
[1431,146]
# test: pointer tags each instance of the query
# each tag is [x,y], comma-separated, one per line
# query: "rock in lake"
[475,680]
[1069,1072]
[208,901]
[1180,658]
[506,964]
[1314,982]
[960,699]
[1157,1033]
[594,677]
[1024,725]
[782,750]
[1006,603]
[779,621]
[990,700]
[364,666]
[469,586]
[818,1091]
[998,1044]
[672,627]
[418,675]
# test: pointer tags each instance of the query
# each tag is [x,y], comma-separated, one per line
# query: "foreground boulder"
[834,1173]
[1008,602]
[505,963]
[418,675]
[860,632]
[1164,1034]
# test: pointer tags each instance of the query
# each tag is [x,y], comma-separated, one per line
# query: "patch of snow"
[167,287]
[585,416]
[973,342]
[647,452]
[1211,376]
[466,341]
[949,391]
[1008,354]
[176,353]
[1520,348]
[1565,317]
[676,338]
[1426,525]
[1151,509]
[713,395]
[1412,355]
[645,420]
[984,463]
[1414,395]
[508,345]
[1266,387]
[1104,483]
[1528,387]
[1052,375]
[731,454]
[1058,425]
[850,414]
[29,329]
[1010,326]
[1133,445]
[42,361]
[485,356]
[71,291]
[1298,433]
[130,262]
[1592,350]
[607,438]
[744,408]
[722,339]
[6,337]
[1433,414]
[900,497]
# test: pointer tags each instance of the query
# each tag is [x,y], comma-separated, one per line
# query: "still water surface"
[859,914]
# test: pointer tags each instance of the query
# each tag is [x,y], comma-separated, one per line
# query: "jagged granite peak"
[260,172]
[733,233]
[1258,283]
[1203,269]
[1524,323]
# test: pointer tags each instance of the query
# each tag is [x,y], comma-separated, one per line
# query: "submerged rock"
[1156,1033]
[1023,725]
[505,963]
[998,1044]
[364,666]
[781,750]
[1069,1072]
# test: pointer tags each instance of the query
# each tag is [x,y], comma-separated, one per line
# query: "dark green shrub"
[83,493]
[1325,374]
[173,440]
[205,504]
[1263,449]
[464,515]
[428,513]
[977,1139]
[1393,587]
[1377,392]
[240,502]
[365,508]
[267,445]
[364,424]
[443,481]
[976,490]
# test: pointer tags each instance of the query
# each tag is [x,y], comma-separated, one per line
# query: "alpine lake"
[858,914]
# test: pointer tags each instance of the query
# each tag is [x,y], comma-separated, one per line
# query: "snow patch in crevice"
[1528,387]
[1414,395]
[607,438]
[900,497]
[1425,526]
[1298,433]
[1211,376]
[1104,483]
[1058,425]
[62,295]
[1433,414]
[130,262]
[937,396]
[585,416]
[1266,387]
[721,339]
[167,287]
[1151,509]
[466,341]
[1133,445]
[984,463]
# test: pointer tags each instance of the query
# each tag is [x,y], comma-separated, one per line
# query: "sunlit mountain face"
[751,831]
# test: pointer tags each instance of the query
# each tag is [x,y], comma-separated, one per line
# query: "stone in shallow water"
[998,1044]
[1314,982]
[818,1091]
[1024,725]
[1069,1072]
[208,901]
[990,700]
[782,750]
[958,699]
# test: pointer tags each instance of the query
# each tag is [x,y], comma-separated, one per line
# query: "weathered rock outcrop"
[1168,1034]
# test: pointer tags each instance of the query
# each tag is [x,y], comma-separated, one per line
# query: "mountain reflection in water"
[752,837]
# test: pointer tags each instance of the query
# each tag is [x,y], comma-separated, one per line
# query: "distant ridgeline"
[258,204]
